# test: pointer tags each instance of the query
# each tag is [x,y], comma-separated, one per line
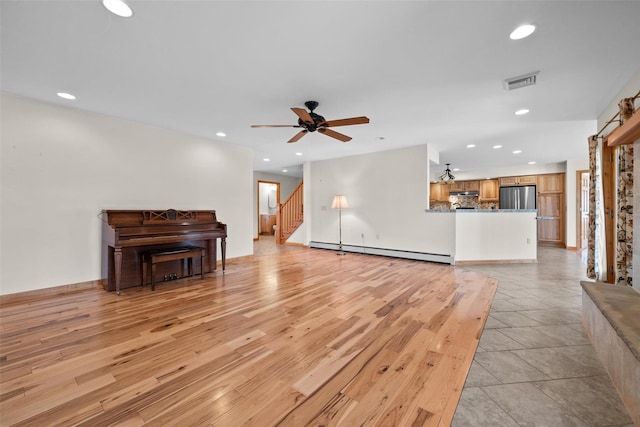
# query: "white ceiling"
[424,72]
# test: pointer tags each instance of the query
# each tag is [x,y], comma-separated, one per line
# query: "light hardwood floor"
[293,338]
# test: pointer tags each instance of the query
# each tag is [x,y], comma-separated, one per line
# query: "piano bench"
[151,258]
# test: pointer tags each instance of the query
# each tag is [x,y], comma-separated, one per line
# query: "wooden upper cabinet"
[432,192]
[506,181]
[551,183]
[489,190]
[439,192]
[464,186]
[456,186]
[471,186]
[527,180]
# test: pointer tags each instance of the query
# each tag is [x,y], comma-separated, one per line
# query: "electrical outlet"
[377,236]
[362,235]
[528,241]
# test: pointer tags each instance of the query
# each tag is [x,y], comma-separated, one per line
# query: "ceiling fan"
[311,122]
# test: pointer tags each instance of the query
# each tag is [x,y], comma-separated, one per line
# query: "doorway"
[582,209]
[268,202]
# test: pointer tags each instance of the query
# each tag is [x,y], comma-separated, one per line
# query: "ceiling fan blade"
[303,114]
[334,134]
[346,122]
[275,126]
[297,136]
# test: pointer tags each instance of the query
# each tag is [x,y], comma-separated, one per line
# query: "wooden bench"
[152,258]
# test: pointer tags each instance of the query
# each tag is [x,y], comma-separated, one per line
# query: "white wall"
[630,89]
[61,167]
[387,195]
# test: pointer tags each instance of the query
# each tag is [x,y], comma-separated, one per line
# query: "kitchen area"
[502,219]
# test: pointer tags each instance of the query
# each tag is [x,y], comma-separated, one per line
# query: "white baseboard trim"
[395,253]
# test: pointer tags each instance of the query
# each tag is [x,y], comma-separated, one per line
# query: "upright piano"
[127,234]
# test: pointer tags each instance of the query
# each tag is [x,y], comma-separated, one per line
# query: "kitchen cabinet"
[551,183]
[551,209]
[489,190]
[456,186]
[464,186]
[551,218]
[266,223]
[527,180]
[507,181]
[439,192]
[471,186]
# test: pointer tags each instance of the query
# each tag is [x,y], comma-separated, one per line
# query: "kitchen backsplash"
[463,202]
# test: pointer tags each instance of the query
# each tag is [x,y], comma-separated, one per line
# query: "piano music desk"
[173,254]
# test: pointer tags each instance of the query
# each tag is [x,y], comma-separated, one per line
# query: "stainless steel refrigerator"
[523,197]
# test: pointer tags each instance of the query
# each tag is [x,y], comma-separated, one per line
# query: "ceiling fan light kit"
[311,122]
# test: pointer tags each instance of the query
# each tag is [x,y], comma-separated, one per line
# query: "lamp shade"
[339,202]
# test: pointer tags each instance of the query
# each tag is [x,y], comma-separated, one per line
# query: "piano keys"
[127,234]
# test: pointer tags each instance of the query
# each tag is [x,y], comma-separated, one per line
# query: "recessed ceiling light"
[221,134]
[522,111]
[118,7]
[471,145]
[381,138]
[65,95]
[532,163]
[495,147]
[517,151]
[298,154]
[456,169]
[266,160]
[522,31]
[284,170]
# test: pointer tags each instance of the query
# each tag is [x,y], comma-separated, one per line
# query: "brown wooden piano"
[127,234]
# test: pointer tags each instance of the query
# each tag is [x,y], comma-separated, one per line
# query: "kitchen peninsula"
[491,235]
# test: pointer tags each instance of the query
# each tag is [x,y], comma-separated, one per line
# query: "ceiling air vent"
[521,81]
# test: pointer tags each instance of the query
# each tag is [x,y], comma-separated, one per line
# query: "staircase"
[290,215]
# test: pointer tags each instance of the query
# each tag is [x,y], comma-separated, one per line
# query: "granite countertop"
[463,211]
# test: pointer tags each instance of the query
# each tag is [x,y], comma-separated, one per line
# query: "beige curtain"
[624,220]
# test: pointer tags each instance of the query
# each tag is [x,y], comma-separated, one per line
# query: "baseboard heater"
[395,253]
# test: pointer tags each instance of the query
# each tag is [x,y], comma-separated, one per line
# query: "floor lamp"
[340,202]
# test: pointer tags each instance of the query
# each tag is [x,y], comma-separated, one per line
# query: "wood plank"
[627,133]
[287,339]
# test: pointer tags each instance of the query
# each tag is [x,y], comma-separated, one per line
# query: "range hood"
[464,193]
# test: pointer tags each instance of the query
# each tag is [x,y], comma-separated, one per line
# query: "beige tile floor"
[534,365]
